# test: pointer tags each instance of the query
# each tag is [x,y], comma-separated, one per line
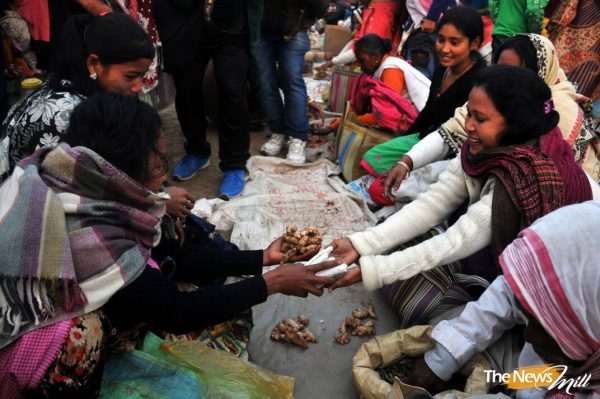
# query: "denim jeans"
[278,64]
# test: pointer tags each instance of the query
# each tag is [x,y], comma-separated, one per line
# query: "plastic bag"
[150,374]
[226,376]
[388,349]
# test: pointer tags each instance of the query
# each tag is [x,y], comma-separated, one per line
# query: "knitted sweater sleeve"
[468,235]
[430,149]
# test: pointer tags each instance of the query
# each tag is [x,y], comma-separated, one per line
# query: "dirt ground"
[206,183]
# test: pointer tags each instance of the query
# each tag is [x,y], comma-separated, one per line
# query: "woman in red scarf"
[514,168]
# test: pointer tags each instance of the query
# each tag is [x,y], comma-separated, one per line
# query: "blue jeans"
[289,118]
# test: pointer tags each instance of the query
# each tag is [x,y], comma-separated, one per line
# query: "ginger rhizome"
[299,242]
[294,331]
[354,325]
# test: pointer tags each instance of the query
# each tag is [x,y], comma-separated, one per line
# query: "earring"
[93,76]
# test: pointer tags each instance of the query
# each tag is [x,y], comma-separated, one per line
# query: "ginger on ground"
[294,332]
[362,313]
[342,339]
[354,325]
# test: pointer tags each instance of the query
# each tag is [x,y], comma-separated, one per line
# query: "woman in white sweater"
[514,167]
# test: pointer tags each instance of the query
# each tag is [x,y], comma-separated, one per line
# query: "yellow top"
[31,83]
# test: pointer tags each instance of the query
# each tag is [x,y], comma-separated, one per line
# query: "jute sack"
[385,350]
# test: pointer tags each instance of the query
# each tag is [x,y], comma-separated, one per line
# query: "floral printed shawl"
[38,120]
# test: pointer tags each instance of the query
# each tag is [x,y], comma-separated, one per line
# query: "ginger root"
[299,242]
[342,339]
[294,332]
[354,325]
[362,313]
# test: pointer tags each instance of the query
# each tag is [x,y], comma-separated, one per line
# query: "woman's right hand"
[344,251]
[299,280]
[395,177]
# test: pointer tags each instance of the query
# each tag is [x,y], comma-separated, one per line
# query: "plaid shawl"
[74,231]
[534,181]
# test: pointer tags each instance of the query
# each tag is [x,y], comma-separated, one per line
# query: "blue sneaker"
[232,184]
[189,166]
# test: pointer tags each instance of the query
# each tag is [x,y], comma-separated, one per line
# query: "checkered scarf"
[534,181]
[74,231]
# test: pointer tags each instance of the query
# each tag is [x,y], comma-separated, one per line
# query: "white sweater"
[468,235]
[471,232]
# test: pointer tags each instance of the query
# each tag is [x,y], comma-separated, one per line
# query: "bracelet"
[406,166]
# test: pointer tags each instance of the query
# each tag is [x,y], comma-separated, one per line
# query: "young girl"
[514,168]
[78,224]
[398,78]
[460,32]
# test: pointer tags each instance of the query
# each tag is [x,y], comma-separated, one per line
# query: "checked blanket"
[74,230]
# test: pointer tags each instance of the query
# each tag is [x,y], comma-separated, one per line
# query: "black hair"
[521,96]
[521,45]
[468,21]
[115,38]
[372,44]
[121,129]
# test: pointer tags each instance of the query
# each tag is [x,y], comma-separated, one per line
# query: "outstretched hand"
[298,280]
[351,277]
[273,255]
[344,251]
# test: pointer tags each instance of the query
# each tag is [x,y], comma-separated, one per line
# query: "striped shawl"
[74,231]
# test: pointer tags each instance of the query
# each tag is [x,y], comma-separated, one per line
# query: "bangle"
[406,166]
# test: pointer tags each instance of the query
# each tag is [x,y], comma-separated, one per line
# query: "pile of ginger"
[294,332]
[354,325]
[299,242]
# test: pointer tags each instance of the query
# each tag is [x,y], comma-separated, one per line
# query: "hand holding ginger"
[298,280]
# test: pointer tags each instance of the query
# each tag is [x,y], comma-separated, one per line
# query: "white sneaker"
[296,150]
[274,145]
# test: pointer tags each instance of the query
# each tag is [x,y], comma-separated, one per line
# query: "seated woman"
[400,82]
[96,53]
[514,168]
[459,35]
[78,224]
[538,54]
[550,284]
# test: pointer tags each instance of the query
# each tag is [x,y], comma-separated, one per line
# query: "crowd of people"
[92,240]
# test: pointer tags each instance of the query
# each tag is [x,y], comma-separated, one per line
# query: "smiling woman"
[514,169]
[460,32]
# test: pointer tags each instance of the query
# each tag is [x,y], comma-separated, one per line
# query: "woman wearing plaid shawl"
[514,168]
[78,223]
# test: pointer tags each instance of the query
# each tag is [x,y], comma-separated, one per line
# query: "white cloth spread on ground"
[279,192]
